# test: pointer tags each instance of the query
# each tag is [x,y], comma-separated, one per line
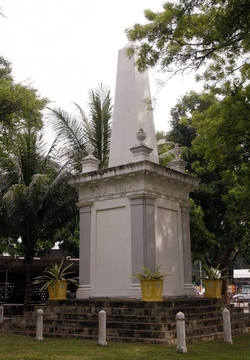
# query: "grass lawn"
[17,347]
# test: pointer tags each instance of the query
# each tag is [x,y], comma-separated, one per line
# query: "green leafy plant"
[55,272]
[212,273]
[151,274]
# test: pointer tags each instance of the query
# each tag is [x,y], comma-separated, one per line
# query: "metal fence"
[13,293]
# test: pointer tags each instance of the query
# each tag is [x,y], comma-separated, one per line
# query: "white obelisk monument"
[132,111]
[135,211]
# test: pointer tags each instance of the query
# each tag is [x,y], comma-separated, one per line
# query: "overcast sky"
[66,47]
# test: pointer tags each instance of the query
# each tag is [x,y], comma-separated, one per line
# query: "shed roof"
[15,264]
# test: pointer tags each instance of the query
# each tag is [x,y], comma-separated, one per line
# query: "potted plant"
[212,282]
[55,279]
[151,281]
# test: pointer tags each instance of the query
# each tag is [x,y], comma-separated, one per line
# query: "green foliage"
[225,127]
[5,67]
[188,34]
[100,123]
[202,238]
[150,274]
[67,237]
[55,272]
[19,104]
[168,149]
[75,132]
[215,127]
[222,145]
[164,152]
[35,197]
[182,130]
[20,117]
[10,245]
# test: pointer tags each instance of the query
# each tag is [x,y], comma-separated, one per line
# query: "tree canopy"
[188,34]
[19,104]
[35,198]
[220,213]
[223,143]
[223,133]
[211,36]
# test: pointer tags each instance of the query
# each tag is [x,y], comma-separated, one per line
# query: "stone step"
[131,312]
[204,330]
[133,321]
[136,304]
[109,325]
[192,318]
[205,337]
[146,313]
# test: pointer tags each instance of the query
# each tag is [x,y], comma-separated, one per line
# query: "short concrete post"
[227,326]
[102,328]
[1,314]
[39,325]
[181,336]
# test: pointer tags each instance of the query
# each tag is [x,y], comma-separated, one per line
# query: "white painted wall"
[109,195]
[111,248]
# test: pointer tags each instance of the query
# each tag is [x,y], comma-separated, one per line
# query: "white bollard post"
[39,325]
[102,328]
[181,335]
[227,326]
[1,314]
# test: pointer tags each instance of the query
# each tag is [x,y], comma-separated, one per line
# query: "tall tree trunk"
[28,271]
[224,258]
[28,281]
[224,274]
[225,263]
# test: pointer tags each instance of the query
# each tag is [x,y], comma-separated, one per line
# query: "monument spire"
[131,112]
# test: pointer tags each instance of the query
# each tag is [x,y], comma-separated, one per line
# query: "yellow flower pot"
[213,288]
[57,290]
[151,290]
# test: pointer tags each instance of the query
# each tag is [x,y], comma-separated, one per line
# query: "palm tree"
[75,132]
[35,198]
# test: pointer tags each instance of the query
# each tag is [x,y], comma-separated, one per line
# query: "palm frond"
[87,129]
[68,129]
[100,115]
[73,133]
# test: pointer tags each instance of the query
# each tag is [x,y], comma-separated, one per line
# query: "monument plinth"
[131,215]
[134,212]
